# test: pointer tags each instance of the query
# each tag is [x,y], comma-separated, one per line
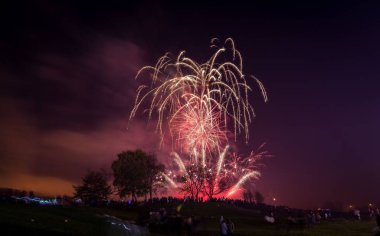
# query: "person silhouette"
[223,226]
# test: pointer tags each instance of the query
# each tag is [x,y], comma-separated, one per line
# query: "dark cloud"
[61,153]
[66,113]
[80,92]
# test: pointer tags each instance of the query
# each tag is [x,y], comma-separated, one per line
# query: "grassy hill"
[80,220]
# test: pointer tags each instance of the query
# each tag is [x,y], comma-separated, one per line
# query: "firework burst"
[197,131]
[199,104]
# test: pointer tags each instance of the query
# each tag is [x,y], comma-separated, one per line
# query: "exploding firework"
[198,131]
[240,169]
[199,104]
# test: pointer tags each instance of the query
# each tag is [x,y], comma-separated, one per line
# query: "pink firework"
[199,103]
[197,130]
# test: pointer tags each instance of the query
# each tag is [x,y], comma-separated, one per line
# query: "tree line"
[135,174]
[139,174]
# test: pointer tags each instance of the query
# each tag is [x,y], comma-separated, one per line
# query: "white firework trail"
[200,103]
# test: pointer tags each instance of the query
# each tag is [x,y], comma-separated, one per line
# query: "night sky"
[67,87]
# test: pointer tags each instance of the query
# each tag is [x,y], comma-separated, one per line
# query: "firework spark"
[170,180]
[215,86]
[199,104]
[251,174]
[197,131]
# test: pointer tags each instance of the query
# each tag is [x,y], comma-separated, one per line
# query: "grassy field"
[69,220]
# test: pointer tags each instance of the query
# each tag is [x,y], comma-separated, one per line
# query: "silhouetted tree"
[6,193]
[154,169]
[259,198]
[23,193]
[212,187]
[137,173]
[94,187]
[59,199]
[31,194]
[193,181]
[248,195]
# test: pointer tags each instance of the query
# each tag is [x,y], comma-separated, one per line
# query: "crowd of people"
[169,217]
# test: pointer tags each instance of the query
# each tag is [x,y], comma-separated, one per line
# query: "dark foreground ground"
[20,219]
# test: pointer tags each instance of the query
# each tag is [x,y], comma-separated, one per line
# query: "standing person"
[371,213]
[313,218]
[189,225]
[357,214]
[318,217]
[223,227]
